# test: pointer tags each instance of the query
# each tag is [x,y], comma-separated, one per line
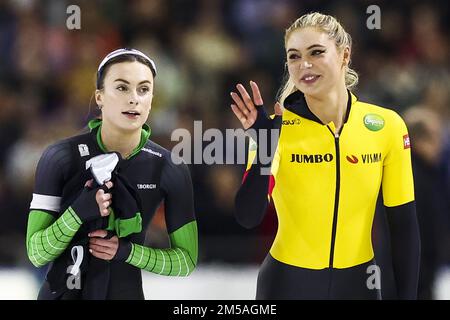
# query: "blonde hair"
[335,31]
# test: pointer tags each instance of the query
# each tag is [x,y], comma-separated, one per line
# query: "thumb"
[89,183]
[98,233]
[278,109]
[109,184]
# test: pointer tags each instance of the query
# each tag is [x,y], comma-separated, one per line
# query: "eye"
[144,89]
[293,56]
[122,88]
[317,52]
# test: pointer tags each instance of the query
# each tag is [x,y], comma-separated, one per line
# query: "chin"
[130,126]
[311,91]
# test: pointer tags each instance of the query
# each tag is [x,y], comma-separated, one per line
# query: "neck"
[331,107]
[121,141]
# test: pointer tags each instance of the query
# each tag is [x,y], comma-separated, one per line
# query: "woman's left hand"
[101,248]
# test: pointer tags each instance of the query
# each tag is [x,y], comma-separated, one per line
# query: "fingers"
[89,183]
[256,94]
[98,233]
[110,243]
[109,184]
[278,109]
[238,113]
[104,200]
[244,106]
[246,97]
[101,248]
[101,255]
[102,196]
[240,104]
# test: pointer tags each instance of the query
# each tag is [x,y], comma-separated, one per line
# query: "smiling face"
[315,65]
[126,96]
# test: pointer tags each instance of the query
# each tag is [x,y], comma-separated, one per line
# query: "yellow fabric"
[304,193]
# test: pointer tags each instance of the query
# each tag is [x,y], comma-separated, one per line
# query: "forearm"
[179,260]
[167,262]
[48,238]
[252,198]
[405,243]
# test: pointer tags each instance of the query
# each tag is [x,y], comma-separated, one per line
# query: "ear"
[346,56]
[99,97]
[150,103]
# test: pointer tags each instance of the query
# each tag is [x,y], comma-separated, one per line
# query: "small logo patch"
[373,122]
[352,159]
[83,149]
[152,152]
[144,186]
[291,122]
[406,142]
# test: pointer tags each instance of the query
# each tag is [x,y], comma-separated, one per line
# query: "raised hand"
[244,106]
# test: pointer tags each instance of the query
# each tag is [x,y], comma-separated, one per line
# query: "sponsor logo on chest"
[365,158]
[146,186]
[311,158]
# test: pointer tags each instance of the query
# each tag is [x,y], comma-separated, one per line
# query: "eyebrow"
[127,82]
[310,47]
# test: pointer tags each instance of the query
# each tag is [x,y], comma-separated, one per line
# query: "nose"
[133,100]
[305,65]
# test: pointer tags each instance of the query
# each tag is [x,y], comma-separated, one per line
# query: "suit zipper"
[336,198]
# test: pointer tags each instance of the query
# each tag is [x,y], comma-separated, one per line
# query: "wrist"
[123,251]
[262,119]
[85,206]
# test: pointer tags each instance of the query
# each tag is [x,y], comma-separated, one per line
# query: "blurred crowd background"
[202,48]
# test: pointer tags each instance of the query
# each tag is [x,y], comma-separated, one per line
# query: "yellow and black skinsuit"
[324,185]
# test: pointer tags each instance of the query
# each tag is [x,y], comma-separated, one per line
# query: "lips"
[310,78]
[131,114]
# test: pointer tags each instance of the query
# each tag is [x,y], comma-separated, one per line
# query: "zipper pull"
[336,135]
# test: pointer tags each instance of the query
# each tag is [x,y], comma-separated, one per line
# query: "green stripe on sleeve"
[179,260]
[47,238]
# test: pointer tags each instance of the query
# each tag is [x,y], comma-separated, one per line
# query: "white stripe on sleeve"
[44,202]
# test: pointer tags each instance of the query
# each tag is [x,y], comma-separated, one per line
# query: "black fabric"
[262,122]
[149,177]
[85,206]
[296,103]
[251,199]
[280,281]
[176,186]
[126,202]
[405,248]
[123,251]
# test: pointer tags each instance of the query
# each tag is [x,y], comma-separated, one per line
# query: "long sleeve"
[47,238]
[398,197]
[252,197]
[405,243]
[181,258]
[47,234]
[49,231]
